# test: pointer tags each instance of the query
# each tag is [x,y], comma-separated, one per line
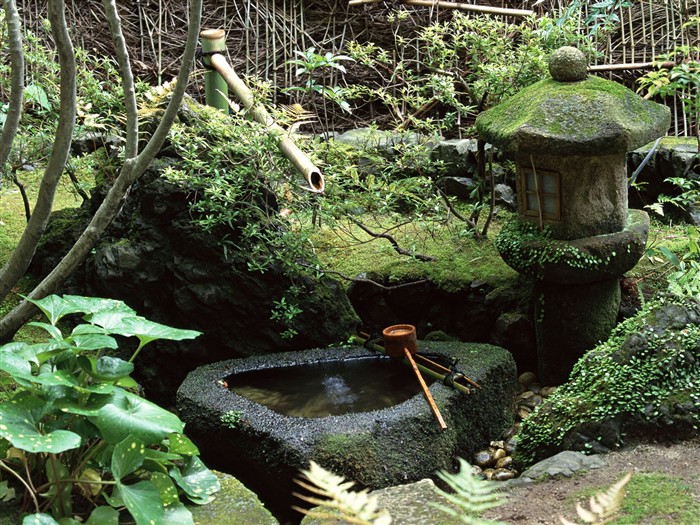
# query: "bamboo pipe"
[286,145]
[215,87]
[426,392]
[445,370]
[424,369]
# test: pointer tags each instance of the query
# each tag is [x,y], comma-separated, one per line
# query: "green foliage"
[684,277]
[525,245]
[231,418]
[471,494]
[464,65]
[636,380]
[681,79]
[78,437]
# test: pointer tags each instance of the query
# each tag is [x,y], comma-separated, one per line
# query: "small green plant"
[471,494]
[284,312]
[231,418]
[77,439]
[311,65]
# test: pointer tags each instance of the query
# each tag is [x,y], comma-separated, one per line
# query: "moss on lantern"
[588,117]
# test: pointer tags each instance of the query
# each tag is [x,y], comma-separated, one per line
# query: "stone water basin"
[375,448]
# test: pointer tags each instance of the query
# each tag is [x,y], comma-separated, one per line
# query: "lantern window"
[542,190]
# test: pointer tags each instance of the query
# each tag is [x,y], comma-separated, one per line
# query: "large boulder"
[641,382]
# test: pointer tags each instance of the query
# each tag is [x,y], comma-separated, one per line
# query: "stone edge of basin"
[376,449]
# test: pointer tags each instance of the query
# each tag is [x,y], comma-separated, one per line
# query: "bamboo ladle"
[400,341]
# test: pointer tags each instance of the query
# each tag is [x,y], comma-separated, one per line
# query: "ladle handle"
[426,392]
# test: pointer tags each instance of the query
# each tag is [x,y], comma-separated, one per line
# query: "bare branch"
[393,242]
[19,261]
[14,111]
[120,48]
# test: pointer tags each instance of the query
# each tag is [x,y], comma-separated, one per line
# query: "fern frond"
[338,500]
[603,506]
[472,494]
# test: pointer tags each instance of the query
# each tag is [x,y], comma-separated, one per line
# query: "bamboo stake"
[426,392]
[630,66]
[290,150]
[469,7]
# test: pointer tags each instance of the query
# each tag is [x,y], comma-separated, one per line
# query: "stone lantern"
[570,135]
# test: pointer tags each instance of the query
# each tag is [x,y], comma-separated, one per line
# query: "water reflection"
[331,388]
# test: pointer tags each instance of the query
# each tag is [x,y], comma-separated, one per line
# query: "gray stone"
[379,139]
[457,156]
[460,187]
[566,464]
[234,503]
[568,64]
[409,504]
[505,195]
[377,449]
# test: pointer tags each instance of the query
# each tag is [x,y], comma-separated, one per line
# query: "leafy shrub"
[77,437]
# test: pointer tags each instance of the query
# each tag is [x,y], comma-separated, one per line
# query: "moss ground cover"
[653,499]
[459,258]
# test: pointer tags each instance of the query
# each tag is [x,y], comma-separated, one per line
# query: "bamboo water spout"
[287,146]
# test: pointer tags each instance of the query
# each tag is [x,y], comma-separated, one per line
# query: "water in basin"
[330,387]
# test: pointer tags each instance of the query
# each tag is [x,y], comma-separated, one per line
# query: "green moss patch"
[653,499]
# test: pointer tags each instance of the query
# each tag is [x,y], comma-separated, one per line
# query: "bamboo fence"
[262,35]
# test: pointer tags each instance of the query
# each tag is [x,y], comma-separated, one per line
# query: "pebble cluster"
[496,462]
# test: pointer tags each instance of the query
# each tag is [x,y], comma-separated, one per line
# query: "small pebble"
[527,378]
[504,462]
[502,474]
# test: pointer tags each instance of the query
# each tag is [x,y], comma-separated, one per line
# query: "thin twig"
[393,242]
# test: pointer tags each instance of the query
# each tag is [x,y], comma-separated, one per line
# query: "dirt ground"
[542,503]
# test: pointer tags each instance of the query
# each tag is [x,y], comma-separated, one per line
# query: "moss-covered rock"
[234,503]
[642,380]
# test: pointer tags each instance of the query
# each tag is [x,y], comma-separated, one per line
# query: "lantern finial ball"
[568,64]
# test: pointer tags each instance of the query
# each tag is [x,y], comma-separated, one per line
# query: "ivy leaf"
[63,378]
[54,307]
[19,424]
[90,305]
[103,516]
[16,366]
[92,341]
[166,487]
[53,331]
[127,456]
[129,414]
[89,408]
[39,519]
[181,444]
[178,514]
[143,502]
[148,331]
[111,320]
[105,368]
[198,482]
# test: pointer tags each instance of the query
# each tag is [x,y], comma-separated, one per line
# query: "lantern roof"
[573,113]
